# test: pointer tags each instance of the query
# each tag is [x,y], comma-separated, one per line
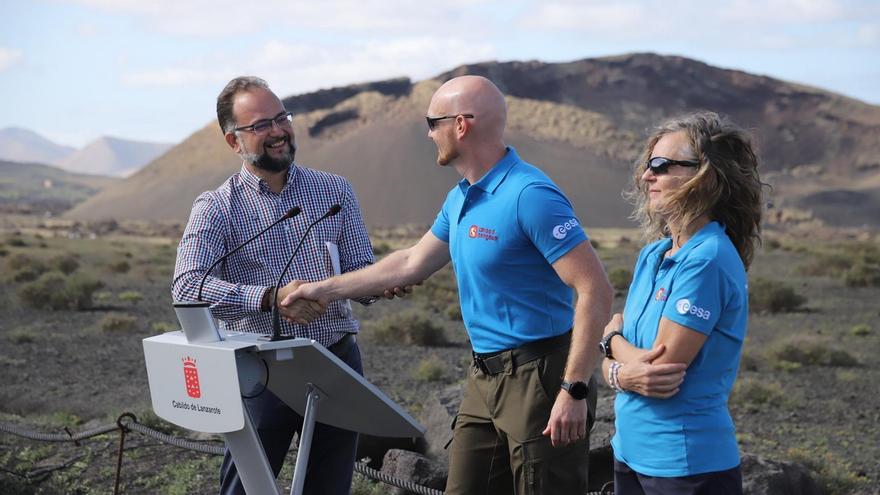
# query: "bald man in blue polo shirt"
[534,300]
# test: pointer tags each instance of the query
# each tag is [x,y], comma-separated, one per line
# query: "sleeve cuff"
[252,297]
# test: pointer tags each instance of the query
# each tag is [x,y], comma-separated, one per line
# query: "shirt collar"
[709,230]
[257,184]
[495,176]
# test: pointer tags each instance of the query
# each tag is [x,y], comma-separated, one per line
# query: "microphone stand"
[276,316]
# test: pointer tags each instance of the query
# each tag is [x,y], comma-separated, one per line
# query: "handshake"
[303,302]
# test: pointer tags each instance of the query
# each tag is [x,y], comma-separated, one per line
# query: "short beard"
[446,157]
[265,162]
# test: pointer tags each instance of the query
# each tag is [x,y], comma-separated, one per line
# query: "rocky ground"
[806,390]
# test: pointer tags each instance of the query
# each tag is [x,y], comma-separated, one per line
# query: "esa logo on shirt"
[684,306]
[560,231]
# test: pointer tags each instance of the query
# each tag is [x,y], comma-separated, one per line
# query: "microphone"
[276,317]
[290,214]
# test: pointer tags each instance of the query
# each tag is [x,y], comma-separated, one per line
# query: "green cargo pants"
[497,446]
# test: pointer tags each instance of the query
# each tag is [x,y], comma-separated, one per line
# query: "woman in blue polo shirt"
[674,353]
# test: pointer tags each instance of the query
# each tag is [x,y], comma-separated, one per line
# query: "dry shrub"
[120,266]
[19,261]
[430,369]
[774,297]
[753,393]
[861,330]
[116,322]
[862,274]
[130,296]
[808,352]
[56,291]
[64,263]
[834,476]
[408,328]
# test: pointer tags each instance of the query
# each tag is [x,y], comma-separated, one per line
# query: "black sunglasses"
[660,165]
[283,119]
[432,121]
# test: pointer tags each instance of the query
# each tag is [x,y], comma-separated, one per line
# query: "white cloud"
[212,18]
[295,67]
[587,16]
[177,76]
[9,57]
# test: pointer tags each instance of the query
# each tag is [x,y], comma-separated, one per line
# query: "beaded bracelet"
[614,379]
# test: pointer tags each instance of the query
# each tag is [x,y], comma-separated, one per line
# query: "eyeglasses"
[660,165]
[283,119]
[432,121]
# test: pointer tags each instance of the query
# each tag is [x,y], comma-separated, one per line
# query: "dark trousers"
[497,444]
[332,457]
[629,482]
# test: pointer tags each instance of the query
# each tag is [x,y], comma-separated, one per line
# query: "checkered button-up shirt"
[242,206]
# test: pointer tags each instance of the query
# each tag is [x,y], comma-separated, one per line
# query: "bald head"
[474,95]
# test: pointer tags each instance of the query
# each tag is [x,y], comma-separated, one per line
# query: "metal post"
[250,458]
[305,440]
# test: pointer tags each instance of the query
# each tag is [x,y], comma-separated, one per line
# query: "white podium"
[198,380]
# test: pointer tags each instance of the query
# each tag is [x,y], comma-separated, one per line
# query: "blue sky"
[75,70]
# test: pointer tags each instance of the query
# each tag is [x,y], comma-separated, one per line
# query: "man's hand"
[399,291]
[660,381]
[298,309]
[568,420]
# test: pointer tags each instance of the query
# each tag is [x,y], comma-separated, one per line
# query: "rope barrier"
[128,422]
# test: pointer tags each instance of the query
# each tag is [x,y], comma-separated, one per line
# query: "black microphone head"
[334,210]
[296,210]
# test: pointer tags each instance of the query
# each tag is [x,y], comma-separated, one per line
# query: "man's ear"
[232,141]
[462,126]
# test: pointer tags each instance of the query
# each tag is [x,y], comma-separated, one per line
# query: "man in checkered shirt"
[258,128]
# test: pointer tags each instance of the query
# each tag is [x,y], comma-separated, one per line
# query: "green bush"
[410,328]
[114,322]
[131,296]
[22,336]
[56,291]
[808,352]
[17,242]
[64,263]
[860,330]
[620,278]
[772,296]
[19,261]
[25,275]
[431,369]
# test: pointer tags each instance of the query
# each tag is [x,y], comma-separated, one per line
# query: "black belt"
[494,362]
[341,346]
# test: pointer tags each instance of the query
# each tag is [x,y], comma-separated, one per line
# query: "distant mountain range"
[583,122]
[104,156]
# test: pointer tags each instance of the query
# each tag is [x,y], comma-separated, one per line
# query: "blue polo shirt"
[504,232]
[703,286]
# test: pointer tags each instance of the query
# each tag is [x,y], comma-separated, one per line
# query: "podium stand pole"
[250,459]
[305,440]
